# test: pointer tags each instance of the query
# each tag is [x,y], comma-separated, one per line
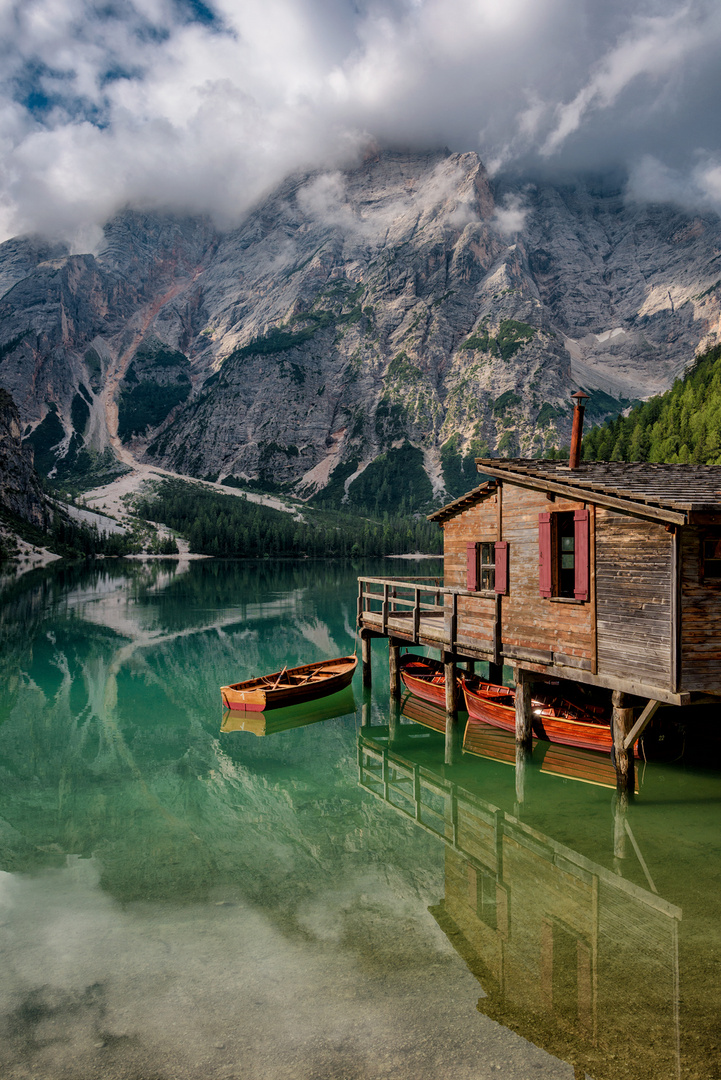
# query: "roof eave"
[462,503]
[584,494]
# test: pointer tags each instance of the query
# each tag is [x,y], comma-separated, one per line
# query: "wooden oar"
[279,677]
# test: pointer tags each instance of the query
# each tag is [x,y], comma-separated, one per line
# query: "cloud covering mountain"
[204,105]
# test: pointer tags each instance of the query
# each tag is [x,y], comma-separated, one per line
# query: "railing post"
[360,602]
[416,613]
[384,609]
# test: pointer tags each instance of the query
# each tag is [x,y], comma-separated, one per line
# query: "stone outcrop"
[403,301]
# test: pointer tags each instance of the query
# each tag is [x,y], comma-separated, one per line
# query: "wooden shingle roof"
[657,491]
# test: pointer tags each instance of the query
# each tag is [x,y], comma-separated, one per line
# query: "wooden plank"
[641,724]
[580,662]
[519,652]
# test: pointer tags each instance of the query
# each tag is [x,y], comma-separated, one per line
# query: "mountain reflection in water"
[180,899]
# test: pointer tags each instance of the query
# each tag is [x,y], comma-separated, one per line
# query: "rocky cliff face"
[401,302]
[20,492]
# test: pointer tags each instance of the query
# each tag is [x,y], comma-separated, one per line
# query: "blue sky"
[203,105]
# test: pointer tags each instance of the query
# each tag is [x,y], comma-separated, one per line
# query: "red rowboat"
[557,721]
[424,677]
[290,686]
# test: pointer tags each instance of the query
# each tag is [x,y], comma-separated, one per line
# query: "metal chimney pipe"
[574,458]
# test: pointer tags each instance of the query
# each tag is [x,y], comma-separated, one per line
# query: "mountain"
[403,312]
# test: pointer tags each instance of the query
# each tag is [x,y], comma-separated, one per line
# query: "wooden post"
[524,736]
[366,657]
[622,724]
[470,666]
[449,669]
[416,613]
[451,677]
[394,668]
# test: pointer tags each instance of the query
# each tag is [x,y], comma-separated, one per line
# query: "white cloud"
[698,188]
[106,105]
[510,216]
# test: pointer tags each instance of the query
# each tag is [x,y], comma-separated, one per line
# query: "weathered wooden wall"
[634,560]
[476,615]
[700,619]
[530,623]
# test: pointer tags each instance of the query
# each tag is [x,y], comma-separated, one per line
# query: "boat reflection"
[296,716]
[571,955]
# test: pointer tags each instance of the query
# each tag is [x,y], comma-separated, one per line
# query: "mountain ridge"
[407,301]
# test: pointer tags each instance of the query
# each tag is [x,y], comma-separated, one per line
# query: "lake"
[321,897]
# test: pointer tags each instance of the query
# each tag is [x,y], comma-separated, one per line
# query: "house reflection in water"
[569,954]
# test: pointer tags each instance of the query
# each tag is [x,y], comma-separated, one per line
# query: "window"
[487,566]
[711,558]
[565,544]
[563,555]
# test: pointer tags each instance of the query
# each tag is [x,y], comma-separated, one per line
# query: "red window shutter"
[501,577]
[544,554]
[580,530]
[472,567]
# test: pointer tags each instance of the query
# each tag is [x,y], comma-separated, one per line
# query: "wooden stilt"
[394,668]
[366,719]
[622,725]
[451,676]
[495,674]
[470,666]
[450,672]
[524,736]
[366,657]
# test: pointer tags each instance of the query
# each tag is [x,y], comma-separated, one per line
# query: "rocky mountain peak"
[406,305]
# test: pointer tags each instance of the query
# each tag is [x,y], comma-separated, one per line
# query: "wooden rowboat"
[290,686]
[556,721]
[291,717]
[424,677]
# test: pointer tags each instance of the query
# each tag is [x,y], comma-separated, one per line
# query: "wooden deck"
[422,611]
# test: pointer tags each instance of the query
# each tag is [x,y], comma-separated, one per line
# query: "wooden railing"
[414,597]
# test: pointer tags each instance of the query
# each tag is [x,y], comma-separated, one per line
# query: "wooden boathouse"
[601,573]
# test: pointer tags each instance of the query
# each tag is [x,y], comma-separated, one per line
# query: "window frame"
[710,581]
[551,556]
[495,572]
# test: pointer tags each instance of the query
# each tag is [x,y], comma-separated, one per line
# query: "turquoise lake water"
[329,900]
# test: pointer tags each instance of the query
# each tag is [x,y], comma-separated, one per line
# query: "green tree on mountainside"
[681,426]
